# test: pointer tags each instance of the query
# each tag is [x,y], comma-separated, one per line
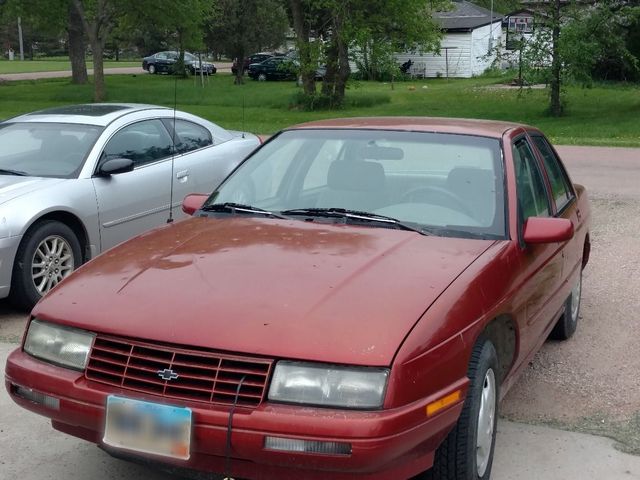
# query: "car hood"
[279,288]
[13,187]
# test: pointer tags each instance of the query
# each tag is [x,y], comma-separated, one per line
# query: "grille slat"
[202,376]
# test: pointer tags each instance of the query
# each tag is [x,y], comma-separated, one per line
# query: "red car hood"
[288,289]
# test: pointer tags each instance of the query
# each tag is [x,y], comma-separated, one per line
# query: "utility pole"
[20,38]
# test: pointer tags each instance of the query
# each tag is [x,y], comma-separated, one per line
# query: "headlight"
[328,385]
[64,346]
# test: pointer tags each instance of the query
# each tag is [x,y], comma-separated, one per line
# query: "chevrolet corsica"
[77,180]
[352,302]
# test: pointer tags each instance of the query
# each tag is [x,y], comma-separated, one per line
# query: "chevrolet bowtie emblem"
[167,374]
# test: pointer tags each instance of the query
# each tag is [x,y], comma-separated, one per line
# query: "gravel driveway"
[590,383]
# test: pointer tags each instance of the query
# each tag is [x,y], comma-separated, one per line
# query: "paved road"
[222,68]
[523,452]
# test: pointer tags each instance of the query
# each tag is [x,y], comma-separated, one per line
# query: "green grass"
[602,115]
[28,66]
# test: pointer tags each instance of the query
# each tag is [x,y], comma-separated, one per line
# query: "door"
[130,203]
[564,199]
[199,165]
[541,265]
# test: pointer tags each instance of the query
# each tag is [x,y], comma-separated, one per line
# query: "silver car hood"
[13,187]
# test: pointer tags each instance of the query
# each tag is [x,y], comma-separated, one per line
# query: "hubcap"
[486,421]
[575,300]
[52,261]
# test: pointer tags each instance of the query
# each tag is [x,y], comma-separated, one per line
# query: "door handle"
[578,214]
[182,174]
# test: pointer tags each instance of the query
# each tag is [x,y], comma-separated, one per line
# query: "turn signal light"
[444,402]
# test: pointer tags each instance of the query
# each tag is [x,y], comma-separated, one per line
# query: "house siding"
[484,44]
[434,65]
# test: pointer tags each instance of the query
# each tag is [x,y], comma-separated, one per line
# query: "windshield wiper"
[355,215]
[8,171]
[235,208]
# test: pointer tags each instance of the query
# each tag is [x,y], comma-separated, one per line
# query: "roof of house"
[465,16]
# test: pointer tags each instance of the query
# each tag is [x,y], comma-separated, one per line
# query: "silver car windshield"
[46,149]
[449,184]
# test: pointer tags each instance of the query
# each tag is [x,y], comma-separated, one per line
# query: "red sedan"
[352,302]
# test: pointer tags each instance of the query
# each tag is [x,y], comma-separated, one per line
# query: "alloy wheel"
[52,261]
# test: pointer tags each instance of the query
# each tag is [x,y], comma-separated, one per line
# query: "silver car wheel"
[486,422]
[52,261]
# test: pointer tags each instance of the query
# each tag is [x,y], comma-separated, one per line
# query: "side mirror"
[193,202]
[547,230]
[113,166]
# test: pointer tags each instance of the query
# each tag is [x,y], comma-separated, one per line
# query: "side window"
[531,192]
[558,179]
[189,136]
[161,56]
[143,142]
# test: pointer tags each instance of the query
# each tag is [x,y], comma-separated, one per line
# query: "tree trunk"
[343,71]
[307,62]
[77,47]
[556,66]
[97,30]
[239,54]
[99,90]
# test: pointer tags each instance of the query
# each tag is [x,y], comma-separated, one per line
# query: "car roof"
[99,114]
[465,126]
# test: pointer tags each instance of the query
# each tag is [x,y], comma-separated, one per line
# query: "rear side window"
[532,195]
[557,177]
[189,136]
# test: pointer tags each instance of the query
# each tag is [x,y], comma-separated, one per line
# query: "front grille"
[202,376]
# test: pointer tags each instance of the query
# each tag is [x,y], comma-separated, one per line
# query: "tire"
[262,77]
[152,69]
[568,322]
[462,456]
[30,282]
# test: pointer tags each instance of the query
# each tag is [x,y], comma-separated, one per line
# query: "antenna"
[243,115]
[173,148]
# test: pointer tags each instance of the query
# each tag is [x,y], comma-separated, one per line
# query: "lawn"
[28,66]
[602,115]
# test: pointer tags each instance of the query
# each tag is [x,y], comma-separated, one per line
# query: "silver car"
[77,180]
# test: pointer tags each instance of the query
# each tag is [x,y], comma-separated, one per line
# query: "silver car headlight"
[329,385]
[67,347]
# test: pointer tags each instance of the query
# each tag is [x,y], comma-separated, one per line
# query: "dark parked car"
[163,62]
[255,58]
[351,303]
[274,68]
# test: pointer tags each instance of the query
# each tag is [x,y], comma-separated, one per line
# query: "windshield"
[46,149]
[449,184]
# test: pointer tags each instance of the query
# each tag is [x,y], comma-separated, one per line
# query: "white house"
[471,34]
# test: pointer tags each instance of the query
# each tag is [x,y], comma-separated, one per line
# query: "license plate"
[148,427]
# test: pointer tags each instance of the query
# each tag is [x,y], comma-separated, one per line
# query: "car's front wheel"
[262,77]
[467,452]
[152,68]
[48,253]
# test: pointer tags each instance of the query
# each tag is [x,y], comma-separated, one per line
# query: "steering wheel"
[437,196]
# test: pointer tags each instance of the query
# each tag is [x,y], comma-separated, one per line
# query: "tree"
[242,26]
[181,25]
[347,28]
[97,17]
[77,46]
[584,41]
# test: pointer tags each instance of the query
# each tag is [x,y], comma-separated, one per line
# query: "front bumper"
[387,444]
[8,249]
